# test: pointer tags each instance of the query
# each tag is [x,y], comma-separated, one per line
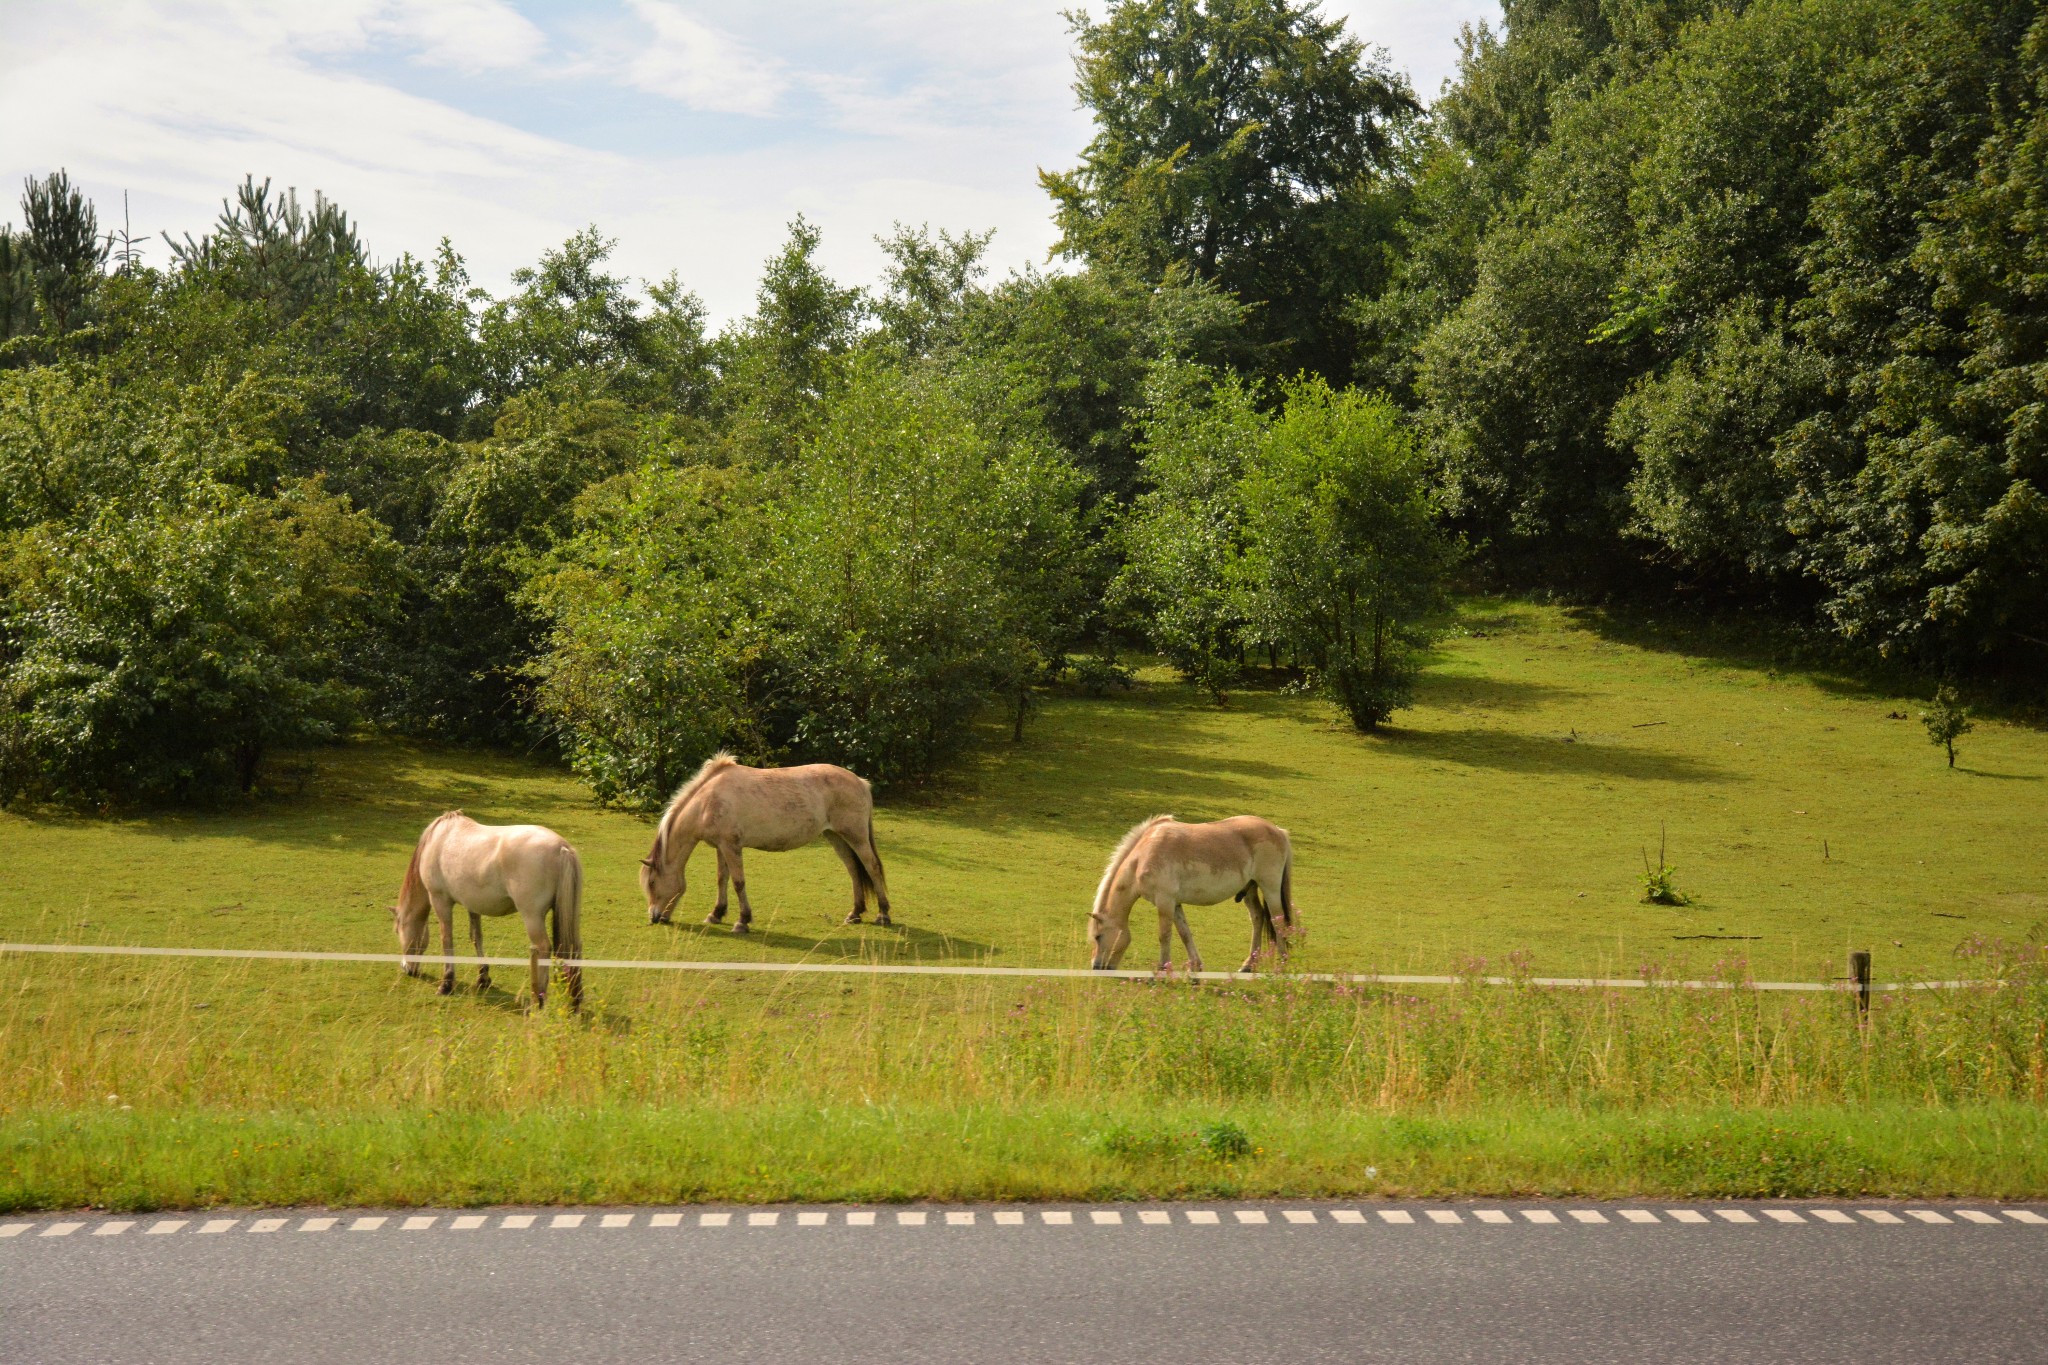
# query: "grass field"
[1502,820]
[1507,812]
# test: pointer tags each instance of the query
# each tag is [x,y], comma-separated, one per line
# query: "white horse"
[1172,864]
[493,870]
[733,807]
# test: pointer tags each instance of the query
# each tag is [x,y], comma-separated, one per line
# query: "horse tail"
[1287,886]
[1116,859]
[874,851]
[568,916]
[568,922]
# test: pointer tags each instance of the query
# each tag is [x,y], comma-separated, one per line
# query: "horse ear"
[647,863]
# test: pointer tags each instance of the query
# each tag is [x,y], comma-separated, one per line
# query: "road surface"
[1228,1281]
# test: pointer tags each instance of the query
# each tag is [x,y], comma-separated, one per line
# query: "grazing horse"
[1172,864]
[493,870]
[732,807]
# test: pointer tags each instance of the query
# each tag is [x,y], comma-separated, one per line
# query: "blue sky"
[690,132]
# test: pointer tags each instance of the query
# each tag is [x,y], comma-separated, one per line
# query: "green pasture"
[1504,820]
[1507,812]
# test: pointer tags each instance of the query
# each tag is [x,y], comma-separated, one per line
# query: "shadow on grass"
[1999,777]
[1453,691]
[1760,647]
[1508,751]
[895,943]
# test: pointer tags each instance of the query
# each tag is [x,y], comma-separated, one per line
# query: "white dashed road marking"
[1097,1217]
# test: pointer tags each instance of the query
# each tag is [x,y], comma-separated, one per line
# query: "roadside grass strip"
[1288,1218]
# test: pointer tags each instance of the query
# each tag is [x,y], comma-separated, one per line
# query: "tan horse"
[1172,864]
[733,807]
[493,870]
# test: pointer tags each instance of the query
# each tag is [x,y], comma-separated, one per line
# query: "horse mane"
[411,884]
[722,759]
[1119,853]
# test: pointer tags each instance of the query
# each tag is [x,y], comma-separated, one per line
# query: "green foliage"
[646,661]
[62,251]
[1948,722]
[1343,563]
[1184,533]
[1243,143]
[158,653]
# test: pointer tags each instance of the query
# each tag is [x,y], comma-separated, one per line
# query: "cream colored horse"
[733,807]
[1172,864]
[493,870]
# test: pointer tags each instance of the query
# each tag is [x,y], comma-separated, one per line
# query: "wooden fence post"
[1859,968]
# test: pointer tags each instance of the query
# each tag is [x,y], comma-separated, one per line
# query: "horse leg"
[717,915]
[739,885]
[853,870]
[539,953]
[476,938]
[862,842]
[1187,936]
[1255,906]
[444,910]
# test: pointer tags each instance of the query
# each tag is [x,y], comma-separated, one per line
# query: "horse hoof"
[714,919]
[885,921]
[445,988]
[855,918]
[743,928]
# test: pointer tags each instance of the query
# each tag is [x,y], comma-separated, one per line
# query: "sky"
[691,133]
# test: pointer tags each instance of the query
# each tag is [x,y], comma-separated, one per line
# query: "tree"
[1245,143]
[62,249]
[1342,556]
[160,653]
[779,364]
[1948,722]
[1201,433]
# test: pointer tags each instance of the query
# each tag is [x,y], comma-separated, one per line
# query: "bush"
[158,654]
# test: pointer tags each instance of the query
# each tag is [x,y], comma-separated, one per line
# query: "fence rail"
[915,969]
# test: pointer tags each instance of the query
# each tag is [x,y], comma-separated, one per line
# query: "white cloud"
[467,35]
[699,66]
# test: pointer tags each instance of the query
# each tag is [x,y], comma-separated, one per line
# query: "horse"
[1173,864]
[493,870]
[732,807]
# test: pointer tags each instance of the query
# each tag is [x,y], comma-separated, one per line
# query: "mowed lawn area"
[1507,812]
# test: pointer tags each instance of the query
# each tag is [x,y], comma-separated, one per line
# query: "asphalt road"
[510,1286]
